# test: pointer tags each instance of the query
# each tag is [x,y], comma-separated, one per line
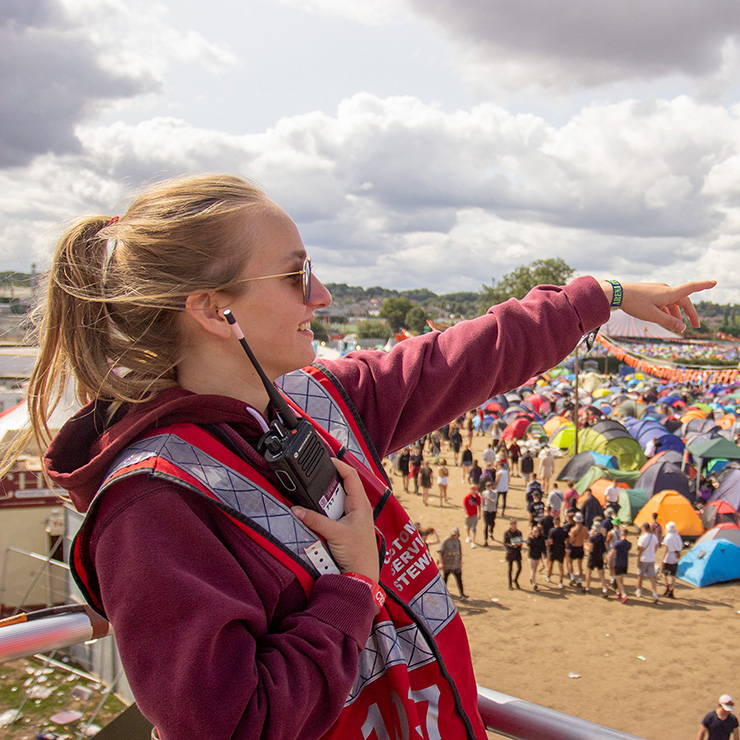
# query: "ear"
[203,309]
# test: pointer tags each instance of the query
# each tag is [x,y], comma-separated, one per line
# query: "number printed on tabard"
[374,728]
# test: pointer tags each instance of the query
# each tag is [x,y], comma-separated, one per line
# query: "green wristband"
[617,293]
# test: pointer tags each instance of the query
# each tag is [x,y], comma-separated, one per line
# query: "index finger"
[683,300]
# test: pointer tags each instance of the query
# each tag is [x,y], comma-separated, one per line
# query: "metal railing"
[48,582]
[505,715]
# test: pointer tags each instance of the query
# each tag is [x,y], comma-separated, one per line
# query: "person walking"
[501,484]
[619,560]
[647,547]
[547,467]
[471,504]
[417,458]
[514,454]
[443,477]
[526,465]
[537,547]
[425,481]
[556,550]
[450,560]
[489,504]
[577,537]
[673,545]
[720,723]
[513,542]
[404,462]
[596,548]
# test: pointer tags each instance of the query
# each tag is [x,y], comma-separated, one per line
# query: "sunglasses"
[305,284]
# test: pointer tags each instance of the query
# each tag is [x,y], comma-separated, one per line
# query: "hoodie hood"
[79,457]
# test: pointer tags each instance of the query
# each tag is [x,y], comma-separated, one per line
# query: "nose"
[320,296]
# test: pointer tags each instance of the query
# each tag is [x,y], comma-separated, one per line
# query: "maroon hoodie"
[219,641]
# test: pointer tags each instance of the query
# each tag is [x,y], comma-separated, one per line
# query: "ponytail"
[109,323]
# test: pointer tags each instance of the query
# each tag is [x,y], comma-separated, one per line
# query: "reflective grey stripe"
[308,394]
[434,605]
[229,486]
[386,646]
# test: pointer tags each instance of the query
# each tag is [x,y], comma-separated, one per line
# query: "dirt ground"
[653,670]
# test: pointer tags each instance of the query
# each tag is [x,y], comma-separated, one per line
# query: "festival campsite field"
[651,670]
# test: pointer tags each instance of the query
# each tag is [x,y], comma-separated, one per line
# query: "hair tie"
[113,220]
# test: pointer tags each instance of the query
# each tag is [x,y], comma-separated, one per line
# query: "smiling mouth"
[305,326]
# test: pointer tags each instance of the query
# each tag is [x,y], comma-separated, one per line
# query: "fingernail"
[680,327]
[299,512]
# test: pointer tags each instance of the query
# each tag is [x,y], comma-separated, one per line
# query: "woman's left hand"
[351,540]
[659,302]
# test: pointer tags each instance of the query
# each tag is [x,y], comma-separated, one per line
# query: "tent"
[671,506]
[598,488]
[517,429]
[597,471]
[609,437]
[725,531]
[729,486]
[670,456]
[719,512]
[714,449]
[579,464]
[665,476]
[562,438]
[536,431]
[555,421]
[631,500]
[648,429]
[710,562]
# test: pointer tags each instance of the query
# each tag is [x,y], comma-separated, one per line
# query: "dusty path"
[651,670]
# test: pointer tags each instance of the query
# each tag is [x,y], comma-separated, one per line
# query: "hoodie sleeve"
[230,646]
[426,381]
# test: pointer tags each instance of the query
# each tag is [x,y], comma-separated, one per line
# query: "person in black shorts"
[556,553]
[537,546]
[513,542]
[618,559]
[596,547]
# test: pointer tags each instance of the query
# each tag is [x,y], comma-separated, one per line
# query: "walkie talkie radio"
[294,450]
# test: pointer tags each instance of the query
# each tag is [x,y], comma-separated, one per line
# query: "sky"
[416,143]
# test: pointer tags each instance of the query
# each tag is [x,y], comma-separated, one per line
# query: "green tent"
[631,500]
[715,448]
[599,471]
[535,429]
[626,449]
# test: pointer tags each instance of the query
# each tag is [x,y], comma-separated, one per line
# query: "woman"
[231,619]
[443,477]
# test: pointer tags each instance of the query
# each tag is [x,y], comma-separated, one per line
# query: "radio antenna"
[281,406]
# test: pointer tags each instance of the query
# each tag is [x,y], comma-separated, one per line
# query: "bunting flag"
[712,376]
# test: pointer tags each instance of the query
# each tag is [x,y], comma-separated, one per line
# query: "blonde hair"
[110,316]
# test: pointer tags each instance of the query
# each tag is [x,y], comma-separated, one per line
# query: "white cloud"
[372,12]
[394,192]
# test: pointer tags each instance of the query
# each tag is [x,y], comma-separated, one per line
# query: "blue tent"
[647,429]
[710,562]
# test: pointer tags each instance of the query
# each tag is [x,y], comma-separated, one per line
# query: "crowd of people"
[568,540]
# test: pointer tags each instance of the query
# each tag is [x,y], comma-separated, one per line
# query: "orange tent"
[554,423]
[693,413]
[598,488]
[672,507]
